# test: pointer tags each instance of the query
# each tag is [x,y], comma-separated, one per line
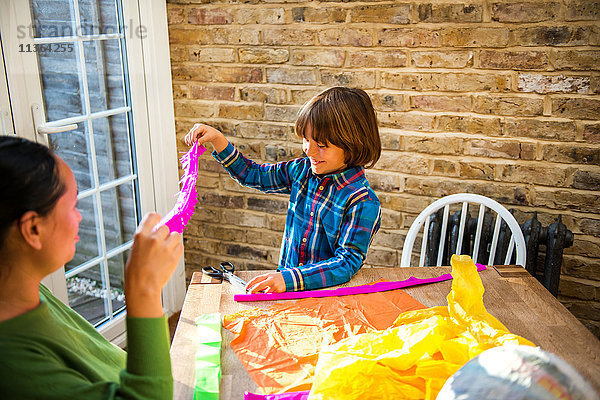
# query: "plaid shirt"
[330,223]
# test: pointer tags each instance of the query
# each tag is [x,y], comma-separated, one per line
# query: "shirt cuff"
[294,281]
[148,346]
[224,154]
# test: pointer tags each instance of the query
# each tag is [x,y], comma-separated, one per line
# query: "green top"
[51,352]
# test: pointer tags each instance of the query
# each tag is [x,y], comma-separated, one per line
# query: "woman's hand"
[153,259]
[268,283]
[203,134]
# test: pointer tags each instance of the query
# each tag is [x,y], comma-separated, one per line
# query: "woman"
[46,349]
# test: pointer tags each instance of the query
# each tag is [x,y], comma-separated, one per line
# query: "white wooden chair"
[516,243]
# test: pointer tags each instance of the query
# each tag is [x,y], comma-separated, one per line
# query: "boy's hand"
[268,283]
[203,134]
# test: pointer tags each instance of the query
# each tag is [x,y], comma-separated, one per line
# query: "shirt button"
[300,264]
[303,240]
[312,213]
[321,188]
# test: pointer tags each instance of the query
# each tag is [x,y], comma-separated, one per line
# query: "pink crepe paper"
[180,214]
[281,396]
[346,291]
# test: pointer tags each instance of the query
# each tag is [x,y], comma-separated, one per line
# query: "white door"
[78,80]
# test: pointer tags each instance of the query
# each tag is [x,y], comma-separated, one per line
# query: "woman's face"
[63,221]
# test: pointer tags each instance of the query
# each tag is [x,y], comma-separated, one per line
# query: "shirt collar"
[345,177]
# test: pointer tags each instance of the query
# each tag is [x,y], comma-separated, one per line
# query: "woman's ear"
[30,229]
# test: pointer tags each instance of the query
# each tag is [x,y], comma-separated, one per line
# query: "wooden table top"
[513,296]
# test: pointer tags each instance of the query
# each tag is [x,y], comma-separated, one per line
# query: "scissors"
[225,272]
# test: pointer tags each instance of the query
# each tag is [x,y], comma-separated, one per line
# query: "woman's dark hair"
[29,181]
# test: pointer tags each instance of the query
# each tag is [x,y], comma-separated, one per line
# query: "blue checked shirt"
[330,222]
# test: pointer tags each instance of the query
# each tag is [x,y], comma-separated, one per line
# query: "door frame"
[152,109]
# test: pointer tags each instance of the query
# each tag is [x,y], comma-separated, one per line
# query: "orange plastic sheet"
[279,346]
[413,358]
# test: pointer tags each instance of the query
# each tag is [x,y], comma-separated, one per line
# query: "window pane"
[52,18]
[98,17]
[113,147]
[118,213]
[87,294]
[89,235]
[116,270]
[103,65]
[73,148]
[60,80]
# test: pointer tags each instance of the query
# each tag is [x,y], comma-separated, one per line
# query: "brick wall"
[495,98]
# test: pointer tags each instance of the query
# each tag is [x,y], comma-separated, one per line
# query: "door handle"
[40,123]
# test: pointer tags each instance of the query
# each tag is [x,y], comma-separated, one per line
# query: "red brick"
[381,14]
[237,74]
[524,11]
[513,59]
[432,12]
[212,92]
[209,16]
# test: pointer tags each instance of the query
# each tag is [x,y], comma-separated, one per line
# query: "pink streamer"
[281,396]
[180,214]
[346,291]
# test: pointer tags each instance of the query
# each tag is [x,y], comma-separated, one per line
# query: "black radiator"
[545,266]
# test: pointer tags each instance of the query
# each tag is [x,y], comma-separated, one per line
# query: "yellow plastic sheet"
[413,358]
[279,346]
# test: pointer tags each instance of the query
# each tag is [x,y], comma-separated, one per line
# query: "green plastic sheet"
[208,357]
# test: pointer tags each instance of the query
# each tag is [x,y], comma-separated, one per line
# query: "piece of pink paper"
[180,214]
[346,291]
[281,396]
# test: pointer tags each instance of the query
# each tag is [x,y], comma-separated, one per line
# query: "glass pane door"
[80,47]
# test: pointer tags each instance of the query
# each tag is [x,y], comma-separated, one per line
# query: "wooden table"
[518,300]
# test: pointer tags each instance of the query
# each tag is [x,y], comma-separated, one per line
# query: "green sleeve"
[148,374]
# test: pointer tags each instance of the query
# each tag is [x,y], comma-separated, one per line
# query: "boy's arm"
[359,225]
[268,178]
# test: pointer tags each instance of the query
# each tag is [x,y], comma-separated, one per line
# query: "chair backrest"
[503,216]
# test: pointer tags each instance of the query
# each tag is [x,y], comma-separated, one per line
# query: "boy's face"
[324,159]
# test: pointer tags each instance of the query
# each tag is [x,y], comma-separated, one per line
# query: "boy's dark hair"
[29,180]
[345,118]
